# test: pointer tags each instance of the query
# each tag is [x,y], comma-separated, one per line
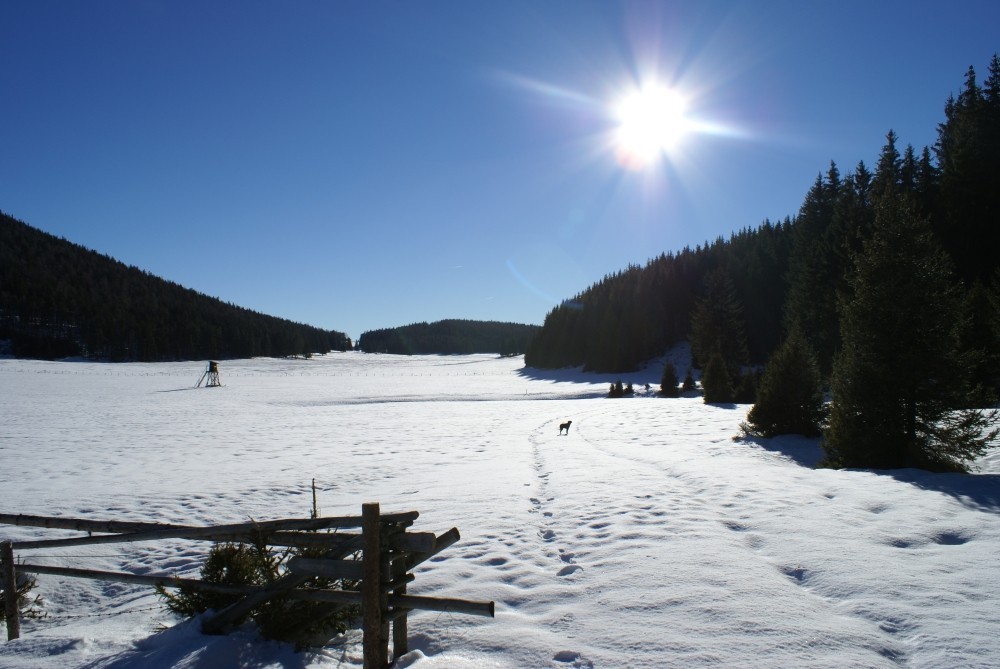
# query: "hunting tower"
[211,376]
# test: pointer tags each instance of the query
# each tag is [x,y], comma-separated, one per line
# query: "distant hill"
[59,299]
[450,337]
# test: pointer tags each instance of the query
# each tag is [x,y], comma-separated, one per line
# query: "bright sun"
[651,123]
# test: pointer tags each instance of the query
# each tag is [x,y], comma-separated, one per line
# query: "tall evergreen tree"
[887,182]
[717,325]
[900,385]
[813,272]
[717,382]
[968,152]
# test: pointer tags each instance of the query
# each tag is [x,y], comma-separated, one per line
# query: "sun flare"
[652,122]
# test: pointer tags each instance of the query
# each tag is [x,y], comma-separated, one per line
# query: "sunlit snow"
[647,537]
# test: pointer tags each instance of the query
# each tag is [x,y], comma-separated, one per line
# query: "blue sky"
[358,165]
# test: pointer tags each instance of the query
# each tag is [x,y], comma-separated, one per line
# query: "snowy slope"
[647,537]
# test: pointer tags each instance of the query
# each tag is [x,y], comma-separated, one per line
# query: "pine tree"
[716,382]
[901,396]
[887,182]
[668,382]
[717,325]
[790,397]
[689,386]
[746,390]
[814,270]
[968,153]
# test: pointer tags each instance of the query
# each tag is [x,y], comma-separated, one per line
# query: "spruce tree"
[668,382]
[968,153]
[901,395]
[717,325]
[689,386]
[745,392]
[813,272]
[716,382]
[790,397]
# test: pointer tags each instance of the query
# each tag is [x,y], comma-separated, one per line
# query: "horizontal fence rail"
[388,554]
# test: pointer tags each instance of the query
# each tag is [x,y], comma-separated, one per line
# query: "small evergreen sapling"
[689,386]
[300,622]
[716,383]
[668,382]
[790,397]
[26,604]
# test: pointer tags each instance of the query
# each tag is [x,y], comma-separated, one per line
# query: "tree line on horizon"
[450,336]
[59,299]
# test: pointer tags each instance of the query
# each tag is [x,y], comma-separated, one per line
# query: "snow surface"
[647,537]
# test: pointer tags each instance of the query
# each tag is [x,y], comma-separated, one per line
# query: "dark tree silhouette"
[668,381]
[901,395]
[790,397]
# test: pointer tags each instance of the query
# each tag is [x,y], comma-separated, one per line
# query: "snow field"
[647,537]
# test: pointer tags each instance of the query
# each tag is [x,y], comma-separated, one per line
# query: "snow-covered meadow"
[647,537]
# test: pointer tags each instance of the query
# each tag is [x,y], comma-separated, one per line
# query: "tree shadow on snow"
[804,451]
[185,645]
[650,375]
[980,492]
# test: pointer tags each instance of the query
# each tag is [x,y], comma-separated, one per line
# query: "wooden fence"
[388,552]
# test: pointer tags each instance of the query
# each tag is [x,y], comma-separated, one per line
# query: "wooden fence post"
[10,591]
[400,631]
[373,601]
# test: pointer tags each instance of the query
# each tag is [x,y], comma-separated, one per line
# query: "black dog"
[565,426]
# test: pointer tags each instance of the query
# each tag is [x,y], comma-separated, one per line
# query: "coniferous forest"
[59,299]
[740,297]
[454,336]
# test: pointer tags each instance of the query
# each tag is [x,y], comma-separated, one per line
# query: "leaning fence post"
[400,642]
[373,600]
[10,591]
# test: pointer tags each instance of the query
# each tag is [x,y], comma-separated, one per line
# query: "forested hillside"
[740,297]
[59,299]
[454,336]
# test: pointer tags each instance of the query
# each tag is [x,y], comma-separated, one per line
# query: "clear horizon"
[357,166]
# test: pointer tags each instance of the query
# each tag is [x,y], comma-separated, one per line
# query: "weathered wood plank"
[166,580]
[447,539]
[326,568]
[280,538]
[417,542]
[8,584]
[375,643]
[443,604]
[78,524]
[116,527]
[334,596]
[400,628]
